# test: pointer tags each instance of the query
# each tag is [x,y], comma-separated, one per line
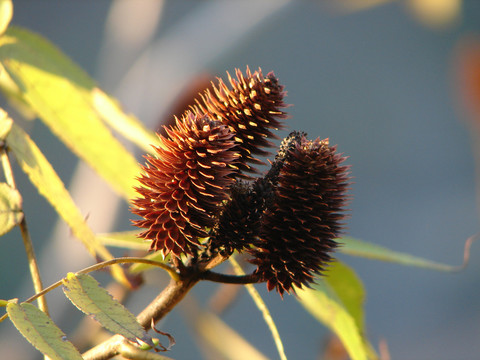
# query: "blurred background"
[396,84]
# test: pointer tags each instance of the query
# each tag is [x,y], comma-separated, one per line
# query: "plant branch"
[230,279]
[7,169]
[99,266]
[27,240]
[33,265]
[130,351]
[156,310]
[124,260]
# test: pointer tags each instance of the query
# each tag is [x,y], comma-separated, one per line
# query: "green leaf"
[368,250]
[156,256]
[220,336]
[257,299]
[224,339]
[127,125]
[41,332]
[87,295]
[326,306]
[63,96]
[45,179]
[125,239]
[6,13]
[349,289]
[5,124]
[3,302]
[11,213]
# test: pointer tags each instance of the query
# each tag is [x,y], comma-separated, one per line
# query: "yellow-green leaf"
[3,302]
[368,250]
[63,97]
[87,295]
[156,256]
[127,125]
[348,288]
[125,239]
[6,13]
[41,332]
[5,124]
[11,213]
[45,179]
[218,335]
[257,299]
[224,339]
[322,302]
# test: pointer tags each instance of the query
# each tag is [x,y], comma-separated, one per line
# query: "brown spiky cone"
[185,184]
[299,227]
[251,107]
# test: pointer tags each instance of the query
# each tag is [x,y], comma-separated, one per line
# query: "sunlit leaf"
[11,213]
[322,302]
[6,12]
[224,339]
[348,288]
[125,239]
[3,302]
[368,250]
[45,179]
[127,125]
[86,294]
[5,124]
[41,332]
[214,332]
[263,309]
[63,97]
[156,256]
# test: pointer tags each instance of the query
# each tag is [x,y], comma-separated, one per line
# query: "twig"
[99,266]
[27,241]
[230,279]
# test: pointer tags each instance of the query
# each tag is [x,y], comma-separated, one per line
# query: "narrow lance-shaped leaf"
[45,179]
[322,302]
[11,213]
[124,239]
[6,12]
[63,97]
[5,124]
[155,256]
[41,332]
[257,299]
[127,125]
[369,250]
[86,294]
[218,335]
[349,289]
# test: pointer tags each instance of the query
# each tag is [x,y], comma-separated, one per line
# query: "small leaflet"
[10,208]
[41,332]
[88,296]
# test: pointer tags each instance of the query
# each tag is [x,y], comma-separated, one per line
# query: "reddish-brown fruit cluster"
[184,186]
[251,108]
[287,220]
[299,227]
[239,222]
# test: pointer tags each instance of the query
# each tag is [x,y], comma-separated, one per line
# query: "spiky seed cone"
[251,108]
[184,186]
[239,223]
[299,228]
